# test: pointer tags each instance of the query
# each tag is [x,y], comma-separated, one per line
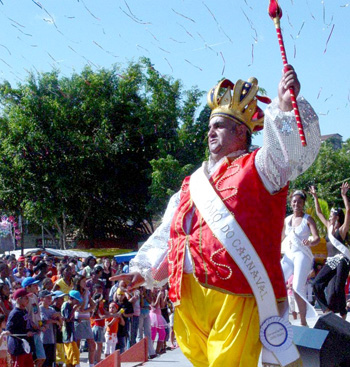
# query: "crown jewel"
[238,102]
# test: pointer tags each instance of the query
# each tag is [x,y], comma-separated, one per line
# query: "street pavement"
[175,358]
[172,358]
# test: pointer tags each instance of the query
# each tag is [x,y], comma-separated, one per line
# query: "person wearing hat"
[69,307]
[31,286]
[17,324]
[121,300]
[57,302]
[50,318]
[236,197]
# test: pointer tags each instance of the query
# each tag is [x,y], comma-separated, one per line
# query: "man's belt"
[275,332]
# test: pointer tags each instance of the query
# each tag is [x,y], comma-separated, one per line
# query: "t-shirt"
[136,304]
[18,323]
[48,336]
[68,330]
[57,331]
[88,271]
[98,321]
[113,328]
[123,330]
[84,315]
[34,312]
[105,279]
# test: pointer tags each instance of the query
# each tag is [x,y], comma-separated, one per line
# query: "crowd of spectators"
[53,309]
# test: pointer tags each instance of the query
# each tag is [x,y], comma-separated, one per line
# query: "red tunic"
[260,215]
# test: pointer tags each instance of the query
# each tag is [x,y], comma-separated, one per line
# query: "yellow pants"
[72,353]
[215,329]
[60,354]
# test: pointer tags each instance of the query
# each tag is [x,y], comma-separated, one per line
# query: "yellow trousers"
[215,329]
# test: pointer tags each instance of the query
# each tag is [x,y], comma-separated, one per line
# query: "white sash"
[275,332]
[292,242]
[337,244]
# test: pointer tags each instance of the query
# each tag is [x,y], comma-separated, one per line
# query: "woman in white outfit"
[298,258]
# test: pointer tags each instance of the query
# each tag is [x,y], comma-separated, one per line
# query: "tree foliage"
[330,169]
[76,151]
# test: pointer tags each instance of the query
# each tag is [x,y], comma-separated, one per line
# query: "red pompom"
[274,9]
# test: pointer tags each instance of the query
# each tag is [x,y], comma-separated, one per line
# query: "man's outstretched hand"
[132,280]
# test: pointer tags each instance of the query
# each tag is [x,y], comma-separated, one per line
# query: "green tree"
[76,151]
[330,169]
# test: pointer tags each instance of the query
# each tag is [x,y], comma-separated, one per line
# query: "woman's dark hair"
[2,295]
[87,260]
[46,281]
[76,283]
[301,193]
[41,266]
[64,268]
[340,214]
[2,318]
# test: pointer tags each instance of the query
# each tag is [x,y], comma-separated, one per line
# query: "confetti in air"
[184,16]
[197,67]
[223,59]
[329,37]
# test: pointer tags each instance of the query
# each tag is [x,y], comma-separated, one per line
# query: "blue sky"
[196,41]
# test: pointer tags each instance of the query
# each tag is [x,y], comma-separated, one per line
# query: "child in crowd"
[3,341]
[70,346]
[49,317]
[31,286]
[17,324]
[57,302]
[98,322]
[112,324]
[5,303]
[120,299]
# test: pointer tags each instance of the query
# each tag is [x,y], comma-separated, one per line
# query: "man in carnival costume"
[219,241]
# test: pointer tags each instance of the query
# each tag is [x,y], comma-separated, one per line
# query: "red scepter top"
[274,10]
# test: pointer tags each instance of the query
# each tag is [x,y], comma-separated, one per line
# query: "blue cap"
[76,295]
[58,294]
[29,281]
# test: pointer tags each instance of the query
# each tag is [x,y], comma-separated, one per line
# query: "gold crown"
[238,102]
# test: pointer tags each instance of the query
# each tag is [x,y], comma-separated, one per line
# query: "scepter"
[275,13]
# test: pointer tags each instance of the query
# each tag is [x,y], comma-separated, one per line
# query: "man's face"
[58,302]
[5,272]
[67,272]
[23,301]
[33,288]
[224,137]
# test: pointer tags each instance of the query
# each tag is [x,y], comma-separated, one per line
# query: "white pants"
[300,265]
[111,341]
